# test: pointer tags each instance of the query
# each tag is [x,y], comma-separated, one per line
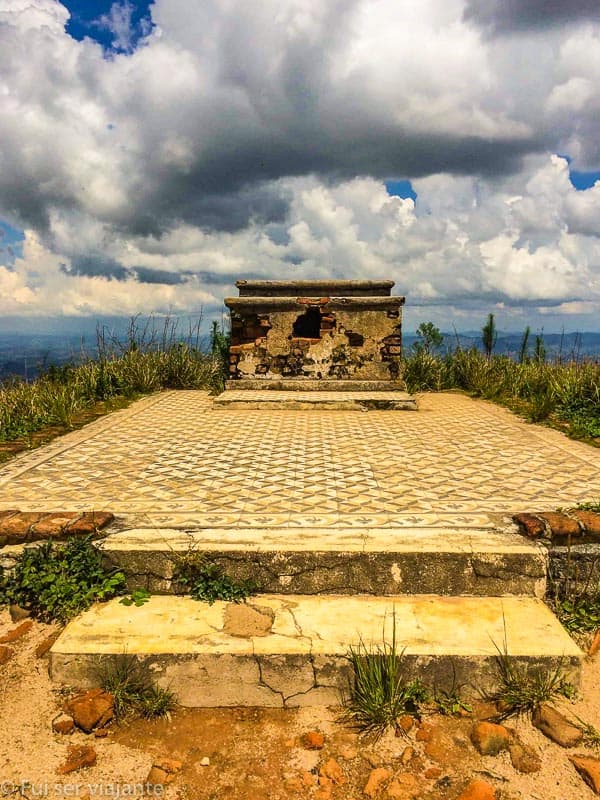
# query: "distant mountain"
[564,345]
[27,355]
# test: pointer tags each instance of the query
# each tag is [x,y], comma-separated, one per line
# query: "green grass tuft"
[134,690]
[379,692]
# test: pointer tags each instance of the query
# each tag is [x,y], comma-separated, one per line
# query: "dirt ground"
[255,754]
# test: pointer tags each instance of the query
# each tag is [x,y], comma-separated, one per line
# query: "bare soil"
[259,754]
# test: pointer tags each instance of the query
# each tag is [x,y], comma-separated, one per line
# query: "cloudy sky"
[151,154]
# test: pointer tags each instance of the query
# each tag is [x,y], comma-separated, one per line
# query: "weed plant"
[59,581]
[523,688]
[133,687]
[197,575]
[379,693]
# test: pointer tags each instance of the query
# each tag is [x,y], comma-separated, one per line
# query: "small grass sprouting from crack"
[379,692]
[133,687]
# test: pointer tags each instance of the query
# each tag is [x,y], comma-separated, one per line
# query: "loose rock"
[477,790]
[490,739]
[313,740]
[401,787]
[332,770]
[92,709]
[589,769]
[17,613]
[377,777]
[78,757]
[17,632]
[63,724]
[5,654]
[556,726]
[524,758]
[45,645]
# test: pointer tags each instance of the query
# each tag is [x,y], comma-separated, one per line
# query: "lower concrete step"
[289,650]
[313,384]
[332,400]
[378,561]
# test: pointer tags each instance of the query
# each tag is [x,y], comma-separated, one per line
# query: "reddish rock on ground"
[490,739]
[313,740]
[589,769]
[524,758]
[478,790]
[17,632]
[556,726]
[332,770]
[376,780]
[46,644]
[5,654]
[63,724]
[92,709]
[78,757]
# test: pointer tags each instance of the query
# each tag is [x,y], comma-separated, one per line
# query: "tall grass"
[566,394]
[148,359]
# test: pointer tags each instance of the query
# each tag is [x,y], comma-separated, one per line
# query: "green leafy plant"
[197,575]
[592,506]
[58,581]
[137,598]
[579,615]
[133,687]
[379,692]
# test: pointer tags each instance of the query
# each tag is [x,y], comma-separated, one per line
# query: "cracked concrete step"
[290,650]
[270,399]
[379,561]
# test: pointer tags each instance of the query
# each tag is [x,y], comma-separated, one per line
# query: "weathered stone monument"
[317,336]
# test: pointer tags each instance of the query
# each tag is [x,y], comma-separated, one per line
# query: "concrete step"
[290,650]
[313,384]
[378,561]
[333,400]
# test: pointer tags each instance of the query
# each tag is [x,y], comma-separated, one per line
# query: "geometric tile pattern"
[176,456]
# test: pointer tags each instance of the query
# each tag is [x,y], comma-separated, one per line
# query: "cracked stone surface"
[344,561]
[302,660]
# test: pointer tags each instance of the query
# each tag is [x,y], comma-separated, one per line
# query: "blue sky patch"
[116,25]
[583,180]
[11,243]
[402,189]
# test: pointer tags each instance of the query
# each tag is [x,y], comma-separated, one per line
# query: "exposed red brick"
[52,525]
[530,524]
[560,525]
[590,521]
[89,522]
[17,632]
[16,527]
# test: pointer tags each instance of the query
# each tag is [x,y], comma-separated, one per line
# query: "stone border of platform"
[19,527]
[577,525]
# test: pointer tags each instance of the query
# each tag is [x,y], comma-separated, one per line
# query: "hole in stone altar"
[308,325]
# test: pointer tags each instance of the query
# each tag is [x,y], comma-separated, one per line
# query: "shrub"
[58,581]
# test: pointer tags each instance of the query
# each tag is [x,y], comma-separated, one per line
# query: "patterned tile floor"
[175,457]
